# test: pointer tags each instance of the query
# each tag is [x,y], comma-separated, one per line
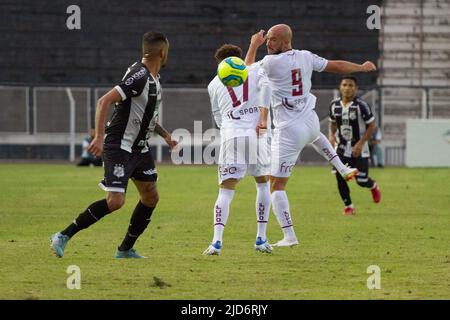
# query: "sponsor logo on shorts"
[150,172]
[284,167]
[119,170]
[227,170]
[116,182]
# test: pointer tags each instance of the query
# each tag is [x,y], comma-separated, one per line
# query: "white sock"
[325,149]
[262,208]
[280,206]
[221,212]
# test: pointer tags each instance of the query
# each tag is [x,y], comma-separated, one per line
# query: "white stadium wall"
[428,143]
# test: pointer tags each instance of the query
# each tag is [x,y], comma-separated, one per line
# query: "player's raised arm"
[256,41]
[346,67]
[264,96]
[103,104]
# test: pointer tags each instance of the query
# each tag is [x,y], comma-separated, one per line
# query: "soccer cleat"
[128,254]
[376,193]
[58,242]
[286,243]
[353,172]
[214,249]
[349,211]
[263,245]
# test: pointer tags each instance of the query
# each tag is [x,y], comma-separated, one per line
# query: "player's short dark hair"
[227,50]
[350,78]
[152,38]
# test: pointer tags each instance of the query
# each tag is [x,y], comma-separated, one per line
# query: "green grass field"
[407,235]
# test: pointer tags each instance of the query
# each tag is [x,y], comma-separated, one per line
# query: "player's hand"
[368,66]
[96,146]
[261,128]
[258,39]
[171,143]
[357,148]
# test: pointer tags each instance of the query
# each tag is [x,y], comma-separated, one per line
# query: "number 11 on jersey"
[236,102]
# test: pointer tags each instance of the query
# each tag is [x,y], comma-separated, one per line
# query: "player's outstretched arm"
[256,41]
[103,104]
[345,67]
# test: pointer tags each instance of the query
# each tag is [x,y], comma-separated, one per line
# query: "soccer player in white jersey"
[241,114]
[296,123]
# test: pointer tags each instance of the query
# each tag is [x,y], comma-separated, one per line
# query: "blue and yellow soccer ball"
[232,71]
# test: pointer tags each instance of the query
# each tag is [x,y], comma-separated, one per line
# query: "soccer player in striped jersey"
[241,114]
[296,123]
[352,121]
[125,149]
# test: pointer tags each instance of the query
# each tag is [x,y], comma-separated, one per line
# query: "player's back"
[236,109]
[289,75]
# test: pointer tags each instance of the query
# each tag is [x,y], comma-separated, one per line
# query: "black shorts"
[121,165]
[360,163]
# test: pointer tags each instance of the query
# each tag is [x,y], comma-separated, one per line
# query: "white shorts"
[288,142]
[241,155]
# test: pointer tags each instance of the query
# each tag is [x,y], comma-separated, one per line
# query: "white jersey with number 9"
[289,75]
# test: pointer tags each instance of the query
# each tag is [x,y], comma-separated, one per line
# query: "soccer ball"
[232,71]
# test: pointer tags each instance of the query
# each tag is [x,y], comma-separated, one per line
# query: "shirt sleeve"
[215,106]
[264,89]
[331,115]
[319,64]
[264,64]
[366,111]
[133,83]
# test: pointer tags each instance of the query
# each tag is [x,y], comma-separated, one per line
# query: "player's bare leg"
[221,213]
[262,213]
[280,206]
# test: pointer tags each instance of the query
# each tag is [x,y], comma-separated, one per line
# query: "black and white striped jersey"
[135,117]
[351,121]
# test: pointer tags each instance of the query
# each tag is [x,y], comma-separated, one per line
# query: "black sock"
[138,223]
[344,190]
[367,184]
[91,215]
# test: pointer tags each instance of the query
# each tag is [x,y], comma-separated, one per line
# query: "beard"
[278,51]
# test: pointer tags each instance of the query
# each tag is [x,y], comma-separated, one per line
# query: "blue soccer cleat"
[214,249]
[128,254]
[263,245]
[58,242]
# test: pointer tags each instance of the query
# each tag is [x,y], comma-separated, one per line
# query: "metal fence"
[64,115]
